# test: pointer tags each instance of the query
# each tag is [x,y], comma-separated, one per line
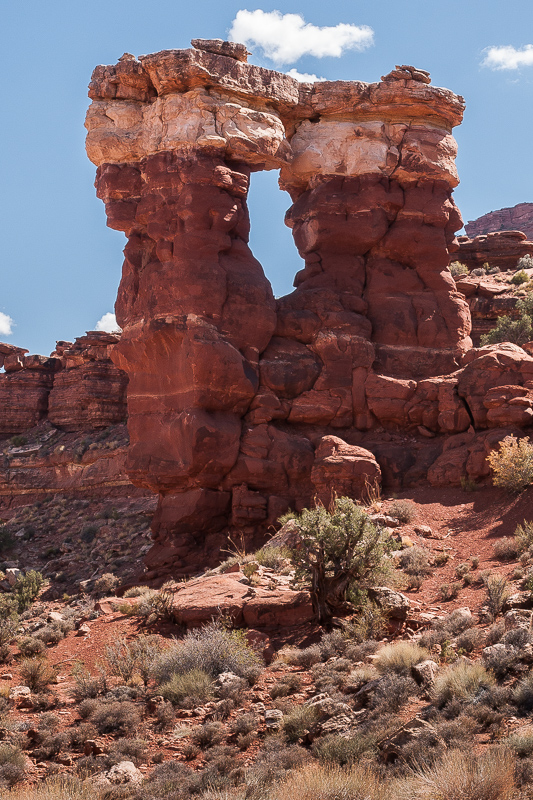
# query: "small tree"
[518,331]
[512,464]
[338,549]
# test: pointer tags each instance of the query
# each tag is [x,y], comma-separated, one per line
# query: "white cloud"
[285,38]
[107,323]
[6,325]
[304,77]
[508,57]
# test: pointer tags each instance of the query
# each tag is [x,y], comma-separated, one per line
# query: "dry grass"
[400,657]
[463,776]
[461,681]
[322,783]
[63,787]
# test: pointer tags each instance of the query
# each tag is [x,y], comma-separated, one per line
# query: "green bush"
[339,550]
[457,268]
[26,589]
[519,278]
[512,464]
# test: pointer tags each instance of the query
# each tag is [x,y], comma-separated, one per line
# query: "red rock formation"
[241,406]
[502,249]
[78,388]
[517,218]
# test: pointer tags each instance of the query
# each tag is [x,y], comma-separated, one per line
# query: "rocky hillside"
[517,218]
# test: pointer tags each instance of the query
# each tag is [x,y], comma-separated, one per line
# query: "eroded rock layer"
[76,388]
[240,405]
[516,218]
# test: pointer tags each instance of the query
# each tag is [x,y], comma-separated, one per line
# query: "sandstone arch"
[231,392]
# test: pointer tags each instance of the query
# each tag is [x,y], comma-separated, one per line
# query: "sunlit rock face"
[240,405]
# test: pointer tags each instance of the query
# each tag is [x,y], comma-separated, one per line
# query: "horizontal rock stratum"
[242,405]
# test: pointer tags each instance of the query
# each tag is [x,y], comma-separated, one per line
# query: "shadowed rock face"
[241,405]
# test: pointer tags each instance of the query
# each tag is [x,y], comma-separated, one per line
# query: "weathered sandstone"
[501,249]
[517,218]
[241,406]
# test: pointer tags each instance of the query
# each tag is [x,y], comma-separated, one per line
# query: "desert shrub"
[403,510]
[400,657]
[524,536]
[55,632]
[51,746]
[286,686]
[339,549]
[508,329]
[332,783]
[12,764]
[369,625]
[115,717]
[525,262]
[520,743]
[332,644]
[145,649]
[461,681]
[57,787]
[272,557]
[469,640]
[457,268]
[274,759]
[37,673]
[456,622]
[121,659]
[137,591]
[519,278]
[208,734]
[505,549]
[81,734]
[105,584]
[246,723]
[338,750]
[517,637]
[449,591]
[298,720]
[522,695]
[188,689]
[500,661]
[30,646]
[213,649]
[128,750]
[463,775]
[415,562]
[304,658]
[497,593]
[512,464]
[7,540]
[392,692]
[165,716]
[26,589]
[86,686]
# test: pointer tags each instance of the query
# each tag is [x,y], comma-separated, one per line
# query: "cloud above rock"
[508,57]
[107,323]
[284,38]
[6,325]
[304,77]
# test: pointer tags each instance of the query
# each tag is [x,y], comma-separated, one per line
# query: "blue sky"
[61,265]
